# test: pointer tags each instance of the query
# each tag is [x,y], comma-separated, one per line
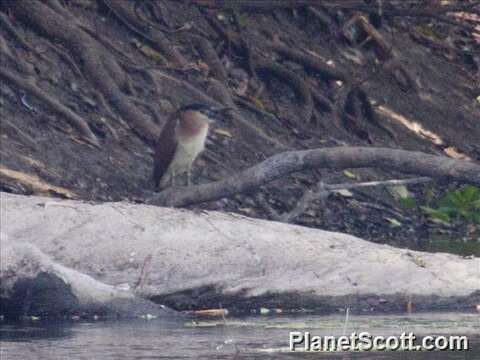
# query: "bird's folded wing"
[165,150]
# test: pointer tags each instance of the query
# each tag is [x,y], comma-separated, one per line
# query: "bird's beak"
[216,113]
[221,109]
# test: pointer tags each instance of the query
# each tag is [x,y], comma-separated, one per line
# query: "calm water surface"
[254,337]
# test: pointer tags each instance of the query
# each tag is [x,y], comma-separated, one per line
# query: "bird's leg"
[172,178]
[189,174]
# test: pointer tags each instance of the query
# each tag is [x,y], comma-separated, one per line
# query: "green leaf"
[470,193]
[399,192]
[436,214]
[349,174]
[476,204]
[428,196]
[476,218]
[394,222]
[344,192]
[408,202]
[258,103]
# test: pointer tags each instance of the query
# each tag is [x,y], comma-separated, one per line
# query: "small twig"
[143,272]
[323,190]
[48,204]
[308,197]
[347,186]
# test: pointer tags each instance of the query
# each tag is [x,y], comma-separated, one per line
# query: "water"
[463,247]
[254,337]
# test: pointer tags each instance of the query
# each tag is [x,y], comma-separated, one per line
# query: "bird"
[181,140]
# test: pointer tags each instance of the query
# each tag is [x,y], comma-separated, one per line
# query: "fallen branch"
[338,158]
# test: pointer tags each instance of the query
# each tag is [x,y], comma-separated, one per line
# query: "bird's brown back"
[165,149]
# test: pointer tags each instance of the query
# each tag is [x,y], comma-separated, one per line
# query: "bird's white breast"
[188,149]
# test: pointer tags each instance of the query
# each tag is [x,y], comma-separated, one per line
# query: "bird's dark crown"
[195,107]
[212,112]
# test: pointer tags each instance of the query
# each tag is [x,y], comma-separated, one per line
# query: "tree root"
[359,30]
[236,117]
[155,38]
[6,24]
[280,165]
[76,121]
[100,68]
[309,62]
[220,93]
[67,59]
[149,107]
[10,129]
[254,4]
[356,107]
[299,86]
[400,74]
[322,101]
[155,8]
[246,103]
[6,53]
[244,46]
[209,57]
[325,20]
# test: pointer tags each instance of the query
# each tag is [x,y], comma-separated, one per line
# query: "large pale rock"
[180,256]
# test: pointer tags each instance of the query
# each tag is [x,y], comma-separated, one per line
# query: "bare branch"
[308,197]
[323,190]
[282,164]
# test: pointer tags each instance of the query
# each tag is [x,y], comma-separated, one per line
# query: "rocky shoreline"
[63,257]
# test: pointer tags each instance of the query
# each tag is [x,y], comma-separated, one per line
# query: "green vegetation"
[462,204]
